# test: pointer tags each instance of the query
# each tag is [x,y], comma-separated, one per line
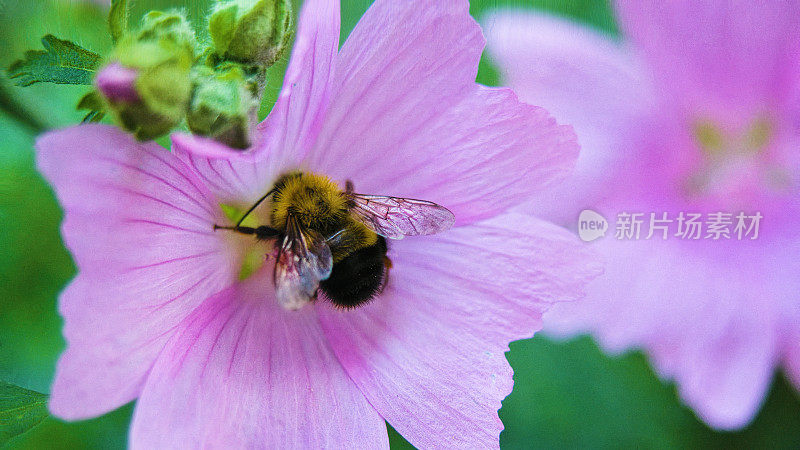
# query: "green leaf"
[118,17]
[20,410]
[93,116]
[61,62]
[91,101]
[94,104]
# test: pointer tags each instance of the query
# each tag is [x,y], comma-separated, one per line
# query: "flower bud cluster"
[161,74]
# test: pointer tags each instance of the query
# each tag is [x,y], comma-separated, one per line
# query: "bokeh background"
[566,394]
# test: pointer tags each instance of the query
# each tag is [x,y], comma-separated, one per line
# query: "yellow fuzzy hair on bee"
[319,205]
[314,200]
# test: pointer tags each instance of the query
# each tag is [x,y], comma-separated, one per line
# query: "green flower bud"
[161,54]
[170,26]
[251,31]
[224,105]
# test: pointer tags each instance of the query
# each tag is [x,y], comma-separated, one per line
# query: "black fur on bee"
[358,277]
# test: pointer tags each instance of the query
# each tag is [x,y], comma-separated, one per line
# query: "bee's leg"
[387,263]
[262,232]
[238,229]
[349,188]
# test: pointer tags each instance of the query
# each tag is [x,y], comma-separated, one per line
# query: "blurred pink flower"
[118,83]
[696,112]
[156,311]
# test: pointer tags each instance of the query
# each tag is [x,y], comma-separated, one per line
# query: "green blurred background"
[566,395]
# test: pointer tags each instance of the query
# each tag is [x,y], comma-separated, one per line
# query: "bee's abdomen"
[354,237]
[358,277]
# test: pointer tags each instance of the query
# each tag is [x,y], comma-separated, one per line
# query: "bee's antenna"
[264,197]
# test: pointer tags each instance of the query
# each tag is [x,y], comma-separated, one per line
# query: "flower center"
[253,257]
[735,165]
[715,141]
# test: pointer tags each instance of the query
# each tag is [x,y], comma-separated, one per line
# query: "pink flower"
[118,83]
[695,113]
[157,312]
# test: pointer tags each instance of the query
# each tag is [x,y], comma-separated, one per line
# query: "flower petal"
[793,362]
[309,77]
[236,179]
[243,373]
[429,352]
[784,272]
[718,54]
[294,121]
[139,226]
[407,119]
[583,78]
[707,324]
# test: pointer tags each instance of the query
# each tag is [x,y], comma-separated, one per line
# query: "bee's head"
[313,199]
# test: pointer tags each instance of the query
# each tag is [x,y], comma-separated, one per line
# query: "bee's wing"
[304,259]
[395,217]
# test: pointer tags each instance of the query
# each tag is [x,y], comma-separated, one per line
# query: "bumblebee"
[334,241]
